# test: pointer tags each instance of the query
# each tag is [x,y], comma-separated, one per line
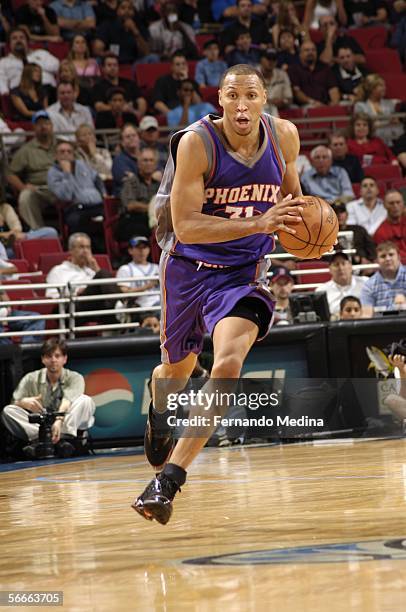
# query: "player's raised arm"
[187,196]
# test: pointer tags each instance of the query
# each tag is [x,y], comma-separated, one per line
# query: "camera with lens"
[44,448]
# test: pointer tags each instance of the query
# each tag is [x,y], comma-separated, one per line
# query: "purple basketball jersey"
[234,188]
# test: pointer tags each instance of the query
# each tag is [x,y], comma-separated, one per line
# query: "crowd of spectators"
[69,68]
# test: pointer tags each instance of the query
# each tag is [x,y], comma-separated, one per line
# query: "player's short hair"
[349,298]
[51,345]
[244,70]
[386,245]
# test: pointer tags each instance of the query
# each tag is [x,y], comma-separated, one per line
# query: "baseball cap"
[338,254]
[41,114]
[270,54]
[137,240]
[280,272]
[148,122]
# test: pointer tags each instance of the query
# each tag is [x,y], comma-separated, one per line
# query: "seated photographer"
[51,389]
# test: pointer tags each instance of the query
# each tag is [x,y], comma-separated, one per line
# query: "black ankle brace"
[175,473]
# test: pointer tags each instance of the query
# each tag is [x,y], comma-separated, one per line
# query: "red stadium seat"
[32,249]
[291,113]
[22,265]
[147,74]
[395,85]
[379,60]
[384,172]
[210,94]
[317,277]
[370,38]
[338,114]
[126,71]
[201,39]
[59,49]
[49,260]
[316,35]
[399,184]
[111,214]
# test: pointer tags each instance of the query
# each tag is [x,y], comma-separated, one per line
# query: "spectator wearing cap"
[313,82]
[139,268]
[337,142]
[325,180]
[210,69]
[386,289]
[186,111]
[117,116]
[96,157]
[361,240]
[342,283]
[368,210]
[277,81]
[81,189]
[110,78]
[282,282]
[149,137]
[245,18]
[28,170]
[394,226]
[136,194]
[66,114]
[11,66]
[244,52]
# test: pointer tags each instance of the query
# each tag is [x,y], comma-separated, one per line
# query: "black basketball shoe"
[156,501]
[158,440]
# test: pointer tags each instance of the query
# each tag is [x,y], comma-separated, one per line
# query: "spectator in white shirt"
[139,267]
[66,114]
[342,283]
[12,65]
[369,210]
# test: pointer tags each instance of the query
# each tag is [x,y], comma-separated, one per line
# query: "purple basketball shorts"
[195,300]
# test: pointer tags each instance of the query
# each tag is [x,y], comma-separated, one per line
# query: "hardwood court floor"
[70,527]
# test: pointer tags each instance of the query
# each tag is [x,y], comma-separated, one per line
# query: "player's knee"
[227,366]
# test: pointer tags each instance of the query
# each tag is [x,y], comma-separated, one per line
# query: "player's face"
[54,362]
[351,310]
[388,260]
[242,98]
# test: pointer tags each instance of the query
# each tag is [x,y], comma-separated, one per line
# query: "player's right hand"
[283,215]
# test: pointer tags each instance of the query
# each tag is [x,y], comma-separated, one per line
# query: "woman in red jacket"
[362,142]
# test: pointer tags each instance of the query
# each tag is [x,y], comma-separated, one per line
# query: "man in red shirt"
[394,226]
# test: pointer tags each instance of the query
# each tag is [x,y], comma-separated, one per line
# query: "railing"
[67,303]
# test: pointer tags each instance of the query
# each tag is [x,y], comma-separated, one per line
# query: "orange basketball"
[316,234]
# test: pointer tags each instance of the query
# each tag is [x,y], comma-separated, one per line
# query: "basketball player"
[241,170]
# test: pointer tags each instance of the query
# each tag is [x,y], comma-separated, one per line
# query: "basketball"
[316,234]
